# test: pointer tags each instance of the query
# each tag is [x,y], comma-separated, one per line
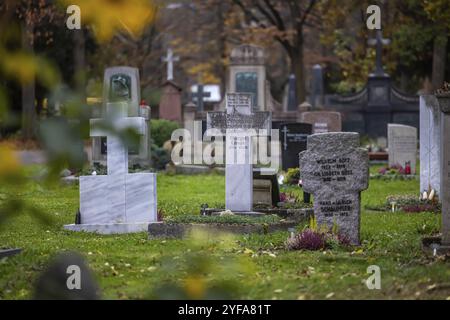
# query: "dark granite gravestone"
[293,140]
[335,170]
[292,104]
[317,92]
[198,97]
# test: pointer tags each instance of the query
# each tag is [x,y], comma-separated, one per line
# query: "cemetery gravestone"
[323,121]
[170,102]
[122,84]
[239,125]
[402,145]
[293,140]
[118,202]
[430,139]
[335,170]
[317,92]
[248,74]
[198,97]
[292,94]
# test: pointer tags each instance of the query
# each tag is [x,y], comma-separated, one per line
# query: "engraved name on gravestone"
[430,139]
[402,144]
[239,124]
[335,170]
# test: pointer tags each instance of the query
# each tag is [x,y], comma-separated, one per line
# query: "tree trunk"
[298,69]
[439,56]
[79,60]
[29,116]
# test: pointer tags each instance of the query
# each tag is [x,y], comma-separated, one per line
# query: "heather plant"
[317,237]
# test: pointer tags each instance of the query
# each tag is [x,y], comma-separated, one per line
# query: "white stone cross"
[239,124]
[170,59]
[118,197]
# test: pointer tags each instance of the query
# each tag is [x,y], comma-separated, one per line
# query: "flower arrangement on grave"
[315,237]
[291,200]
[395,172]
[410,204]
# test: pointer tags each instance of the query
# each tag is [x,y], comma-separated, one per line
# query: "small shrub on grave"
[315,237]
[292,200]
[161,130]
[292,176]
[411,204]
[160,157]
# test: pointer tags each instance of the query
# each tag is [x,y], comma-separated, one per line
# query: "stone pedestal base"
[109,228]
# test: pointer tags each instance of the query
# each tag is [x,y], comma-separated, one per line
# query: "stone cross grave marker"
[199,95]
[335,170]
[118,202]
[402,144]
[170,59]
[239,125]
[121,84]
[378,43]
[430,139]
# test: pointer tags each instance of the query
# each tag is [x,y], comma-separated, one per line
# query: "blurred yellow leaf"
[9,164]
[195,287]
[20,65]
[110,16]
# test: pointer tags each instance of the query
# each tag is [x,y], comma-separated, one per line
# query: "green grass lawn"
[253,267]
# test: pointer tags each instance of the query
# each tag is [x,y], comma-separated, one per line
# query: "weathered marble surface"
[430,140]
[335,170]
[135,201]
[120,197]
[402,144]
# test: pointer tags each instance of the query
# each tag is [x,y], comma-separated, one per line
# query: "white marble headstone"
[118,202]
[430,139]
[402,144]
[239,124]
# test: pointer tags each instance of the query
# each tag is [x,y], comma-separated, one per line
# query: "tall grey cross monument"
[170,59]
[118,202]
[378,42]
[239,125]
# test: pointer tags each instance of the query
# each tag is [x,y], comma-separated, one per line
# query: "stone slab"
[109,228]
[181,230]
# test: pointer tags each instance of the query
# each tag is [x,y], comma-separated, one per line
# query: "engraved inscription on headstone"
[293,140]
[239,125]
[335,170]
